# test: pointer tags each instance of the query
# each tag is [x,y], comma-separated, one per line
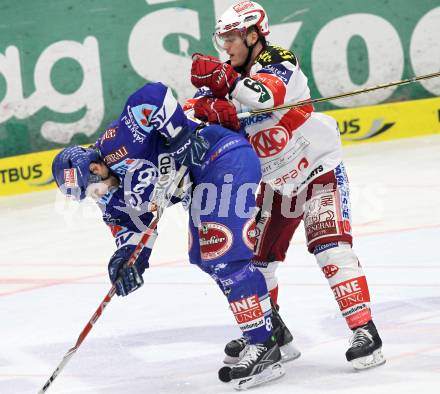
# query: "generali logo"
[270,142]
[115,156]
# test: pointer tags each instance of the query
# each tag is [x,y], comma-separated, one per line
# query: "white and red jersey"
[294,145]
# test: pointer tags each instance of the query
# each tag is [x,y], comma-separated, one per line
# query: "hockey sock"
[246,291]
[268,270]
[347,281]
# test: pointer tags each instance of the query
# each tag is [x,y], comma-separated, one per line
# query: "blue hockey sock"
[246,291]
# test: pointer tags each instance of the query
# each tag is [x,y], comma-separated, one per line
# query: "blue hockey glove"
[127,279]
[187,148]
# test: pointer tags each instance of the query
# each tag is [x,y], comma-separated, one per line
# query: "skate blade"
[268,374]
[289,352]
[373,360]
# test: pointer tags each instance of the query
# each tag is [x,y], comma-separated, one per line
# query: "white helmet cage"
[240,17]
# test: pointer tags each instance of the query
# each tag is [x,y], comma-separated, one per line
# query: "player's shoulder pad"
[273,54]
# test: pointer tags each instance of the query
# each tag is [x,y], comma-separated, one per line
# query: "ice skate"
[365,348]
[234,350]
[260,363]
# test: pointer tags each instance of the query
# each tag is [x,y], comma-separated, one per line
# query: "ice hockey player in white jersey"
[303,173]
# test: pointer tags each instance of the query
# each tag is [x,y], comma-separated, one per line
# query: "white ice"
[168,337]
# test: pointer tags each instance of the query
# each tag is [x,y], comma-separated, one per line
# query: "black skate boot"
[283,336]
[365,347]
[260,363]
[234,349]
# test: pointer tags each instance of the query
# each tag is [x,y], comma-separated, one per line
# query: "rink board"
[32,172]
[386,122]
[69,78]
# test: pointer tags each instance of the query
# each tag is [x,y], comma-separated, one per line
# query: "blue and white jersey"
[134,148]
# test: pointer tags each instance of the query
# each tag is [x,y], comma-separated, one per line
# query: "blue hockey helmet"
[70,169]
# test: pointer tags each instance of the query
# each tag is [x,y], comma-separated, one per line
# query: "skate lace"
[360,337]
[252,352]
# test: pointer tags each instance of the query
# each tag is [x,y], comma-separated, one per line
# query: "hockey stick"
[145,237]
[337,96]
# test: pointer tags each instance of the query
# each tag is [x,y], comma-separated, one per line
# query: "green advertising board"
[66,67]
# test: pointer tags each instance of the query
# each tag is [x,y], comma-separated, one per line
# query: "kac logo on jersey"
[270,142]
[143,114]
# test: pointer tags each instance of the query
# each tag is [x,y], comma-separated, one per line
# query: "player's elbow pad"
[187,148]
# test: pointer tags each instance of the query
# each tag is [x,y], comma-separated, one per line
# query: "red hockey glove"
[211,72]
[219,111]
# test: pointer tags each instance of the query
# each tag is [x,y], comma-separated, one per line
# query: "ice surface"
[169,336]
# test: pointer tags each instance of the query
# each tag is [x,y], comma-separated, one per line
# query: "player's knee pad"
[246,291]
[345,275]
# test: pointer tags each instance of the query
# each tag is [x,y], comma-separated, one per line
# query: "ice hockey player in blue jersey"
[126,170]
